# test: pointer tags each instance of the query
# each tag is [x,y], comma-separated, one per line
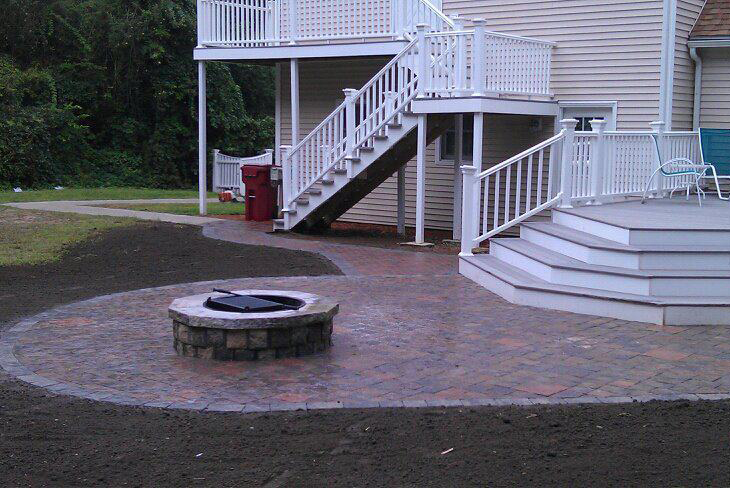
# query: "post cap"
[468,170]
[349,92]
[657,124]
[422,27]
[598,124]
[568,123]
[479,21]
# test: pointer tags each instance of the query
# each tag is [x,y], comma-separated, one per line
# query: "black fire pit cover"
[253,303]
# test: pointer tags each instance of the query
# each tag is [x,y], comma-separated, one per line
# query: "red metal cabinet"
[260,195]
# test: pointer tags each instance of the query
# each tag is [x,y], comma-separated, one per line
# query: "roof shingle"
[714,21]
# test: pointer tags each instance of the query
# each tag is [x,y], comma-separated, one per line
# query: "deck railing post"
[200,22]
[349,128]
[566,165]
[461,56]
[216,170]
[293,21]
[286,176]
[479,58]
[390,97]
[468,189]
[424,50]
[598,160]
[658,128]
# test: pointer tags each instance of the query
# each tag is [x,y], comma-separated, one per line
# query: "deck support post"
[479,69]
[566,163]
[477,156]
[202,141]
[467,229]
[293,160]
[458,150]
[658,128]
[421,180]
[401,218]
[598,160]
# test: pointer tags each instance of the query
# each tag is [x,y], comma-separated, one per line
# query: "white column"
[479,63]
[598,160]
[294,73]
[293,21]
[402,201]
[421,180]
[658,127]
[202,141]
[468,232]
[566,163]
[478,149]
[458,179]
[424,60]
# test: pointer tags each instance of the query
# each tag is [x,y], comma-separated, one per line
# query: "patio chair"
[715,151]
[679,168]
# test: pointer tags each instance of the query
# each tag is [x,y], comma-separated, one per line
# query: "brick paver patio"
[399,340]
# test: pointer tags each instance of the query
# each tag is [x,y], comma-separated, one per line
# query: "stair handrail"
[476,204]
[332,130]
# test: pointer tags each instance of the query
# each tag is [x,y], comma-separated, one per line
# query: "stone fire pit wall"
[205,333]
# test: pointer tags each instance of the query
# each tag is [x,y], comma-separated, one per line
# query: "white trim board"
[466,105]
[384,48]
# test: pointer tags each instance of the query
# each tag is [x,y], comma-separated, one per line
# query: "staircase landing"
[665,262]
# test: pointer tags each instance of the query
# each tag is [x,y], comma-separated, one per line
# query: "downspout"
[694,54]
[666,81]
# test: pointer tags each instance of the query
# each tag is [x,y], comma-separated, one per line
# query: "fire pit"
[248,325]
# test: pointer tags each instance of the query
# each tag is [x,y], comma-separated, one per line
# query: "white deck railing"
[593,167]
[351,126]
[252,23]
[227,169]
[480,62]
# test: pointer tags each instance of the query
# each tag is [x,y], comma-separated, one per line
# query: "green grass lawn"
[96,194]
[31,237]
[228,208]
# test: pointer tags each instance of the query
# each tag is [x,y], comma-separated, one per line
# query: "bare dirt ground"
[49,440]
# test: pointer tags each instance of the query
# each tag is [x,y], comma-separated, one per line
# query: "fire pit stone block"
[201,332]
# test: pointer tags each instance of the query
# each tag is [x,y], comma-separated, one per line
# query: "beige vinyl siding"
[607,51]
[683,94]
[715,106]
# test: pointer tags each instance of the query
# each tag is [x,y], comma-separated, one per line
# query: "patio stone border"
[13,367]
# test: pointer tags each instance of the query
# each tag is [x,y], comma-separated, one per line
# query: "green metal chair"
[715,151]
[679,168]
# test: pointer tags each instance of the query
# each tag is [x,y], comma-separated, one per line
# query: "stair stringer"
[371,171]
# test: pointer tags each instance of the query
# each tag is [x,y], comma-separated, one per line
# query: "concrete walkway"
[91,207]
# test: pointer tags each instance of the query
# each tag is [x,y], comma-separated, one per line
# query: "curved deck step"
[521,287]
[558,268]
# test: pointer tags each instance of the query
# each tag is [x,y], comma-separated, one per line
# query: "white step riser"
[581,252]
[671,315]
[561,301]
[631,260]
[657,286]
[642,237]
[623,284]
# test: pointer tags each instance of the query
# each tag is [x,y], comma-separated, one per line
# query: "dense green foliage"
[104,92]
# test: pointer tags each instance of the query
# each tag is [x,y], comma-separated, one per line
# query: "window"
[447,142]
[584,123]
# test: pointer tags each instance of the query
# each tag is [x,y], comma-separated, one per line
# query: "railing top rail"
[437,11]
[681,133]
[521,38]
[385,68]
[462,32]
[521,155]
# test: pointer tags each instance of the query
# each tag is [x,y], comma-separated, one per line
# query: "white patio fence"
[569,169]
[227,170]
[251,23]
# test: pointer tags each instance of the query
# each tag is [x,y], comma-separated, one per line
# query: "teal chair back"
[715,147]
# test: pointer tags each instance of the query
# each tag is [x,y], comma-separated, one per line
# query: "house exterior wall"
[606,51]
[715,105]
[683,92]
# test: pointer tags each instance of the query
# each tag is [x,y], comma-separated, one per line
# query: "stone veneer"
[211,334]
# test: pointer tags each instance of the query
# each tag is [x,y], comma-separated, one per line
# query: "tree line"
[104,93]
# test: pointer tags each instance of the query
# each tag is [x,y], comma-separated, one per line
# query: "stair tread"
[523,280]
[557,260]
[595,242]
